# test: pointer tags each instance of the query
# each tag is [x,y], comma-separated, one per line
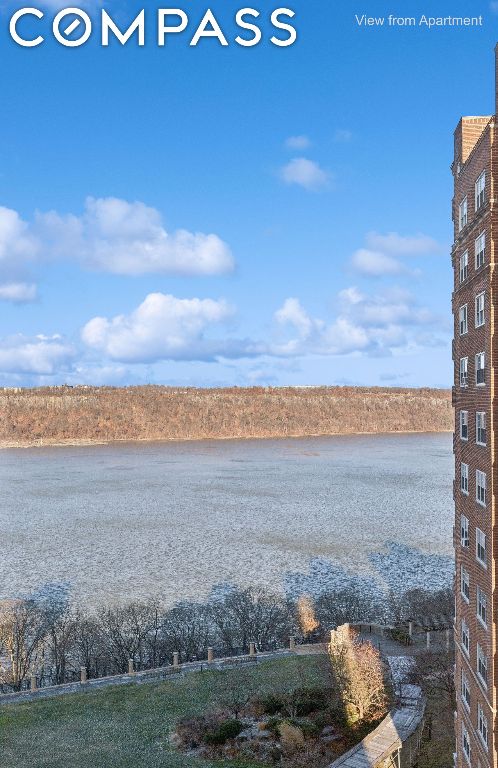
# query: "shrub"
[311,700]
[291,737]
[229,729]
[308,727]
[273,725]
[192,730]
[271,704]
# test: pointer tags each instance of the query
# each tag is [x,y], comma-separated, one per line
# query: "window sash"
[480,368]
[479,319]
[482,665]
[464,371]
[480,188]
[481,427]
[462,214]
[464,266]
[465,636]
[481,487]
[465,583]
[480,250]
[464,531]
[482,607]
[462,318]
[481,546]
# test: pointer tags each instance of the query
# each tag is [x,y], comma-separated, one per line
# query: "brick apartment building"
[475,355]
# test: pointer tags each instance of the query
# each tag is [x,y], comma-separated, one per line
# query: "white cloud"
[117,236]
[305,173]
[403,245]
[377,325]
[375,264]
[163,327]
[42,355]
[297,142]
[18,293]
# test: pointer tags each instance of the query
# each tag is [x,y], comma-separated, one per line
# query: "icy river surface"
[172,520]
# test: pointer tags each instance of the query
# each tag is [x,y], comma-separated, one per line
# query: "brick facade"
[475,152]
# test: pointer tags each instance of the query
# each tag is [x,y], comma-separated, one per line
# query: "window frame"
[482,725]
[480,191]
[466,741]
[481,239]
[465,637]
[464,266]
[464,374]
[482,660]
[482,607]
[463,319]
[464,423]
[480,356]
[481,484]
[481,545]
[480,318]
[465,690]
[464,475]
[463,213]
[464,531]
[481,415]
[465,581]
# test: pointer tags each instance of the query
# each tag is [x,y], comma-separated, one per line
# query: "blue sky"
[225,215]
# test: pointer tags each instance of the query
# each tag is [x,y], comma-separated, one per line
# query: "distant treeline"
[100,414]
[48,636]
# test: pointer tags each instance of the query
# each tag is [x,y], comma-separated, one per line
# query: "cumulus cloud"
[403,245]
[117,236]
[375,264]
[297,142]
[385,253]
[111,235]
[42,355]
[164,327]
[305,173]
[379,324]
[18,293]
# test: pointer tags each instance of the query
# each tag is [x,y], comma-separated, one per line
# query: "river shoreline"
[73,443]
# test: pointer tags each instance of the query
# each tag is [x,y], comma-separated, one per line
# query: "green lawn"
[128,726]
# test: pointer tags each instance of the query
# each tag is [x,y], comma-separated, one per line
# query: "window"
[462,214]
[465,691]
[481,428]
[479,310]
[483,725]
[481,546]
[464,266]
[466,743]
[464,371]
[464,531]
[480,249]
[462,315]
[482,607]
[464,478]
[481,487]
[464,425]
[480,188]
[482,665]
[465,637]
[465,584]
[480,368]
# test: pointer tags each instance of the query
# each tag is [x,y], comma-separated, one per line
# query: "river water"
[173,520]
